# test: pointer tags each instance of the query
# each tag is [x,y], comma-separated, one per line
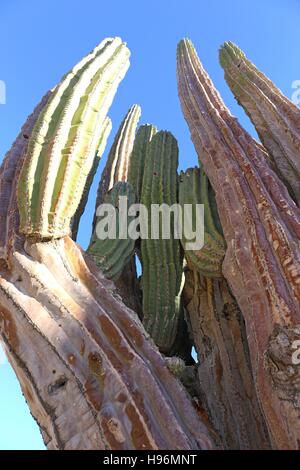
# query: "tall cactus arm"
[112,255]
[161,258]
[194,188]
[116,167]
[261,228]
[92,377]
[277,119]
[138,156]
[63,144]
[106,128]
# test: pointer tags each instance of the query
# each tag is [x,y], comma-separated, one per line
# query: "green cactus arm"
[117,164]
[138,156]
[194,188]
[261,227]
[106,129]
[62,147]
[111,255]
[161,258]
[274,116]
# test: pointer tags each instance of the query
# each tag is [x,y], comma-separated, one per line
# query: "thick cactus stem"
[275,117]
[161,258]
[138,156]
[111,255]
[65,139]
[194,188]
[116,167]
[260,222]
[106,128]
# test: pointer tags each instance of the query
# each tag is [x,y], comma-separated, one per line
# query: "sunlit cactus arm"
[112,254]
[161,258]
[116,167]
[138,156]
[9,173]
[106,128]
[194,188]
[261,228]
[276,118]
[64,141]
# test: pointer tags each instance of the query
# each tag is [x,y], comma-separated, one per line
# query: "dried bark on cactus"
[261,228]
[91,375]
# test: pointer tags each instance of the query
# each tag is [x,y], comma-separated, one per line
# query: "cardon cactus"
[112,254]
[194,188]
[95,374]
[260,222]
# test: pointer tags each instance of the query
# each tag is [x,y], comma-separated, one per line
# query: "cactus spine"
[64,141]
[161,258]
[194,188]
[111,255]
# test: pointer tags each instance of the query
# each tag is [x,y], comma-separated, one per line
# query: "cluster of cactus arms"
[103,356]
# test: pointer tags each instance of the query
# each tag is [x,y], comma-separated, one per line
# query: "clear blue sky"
[41,40]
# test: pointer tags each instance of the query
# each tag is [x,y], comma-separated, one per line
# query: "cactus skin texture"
[194,188]
[261,224]
[91,376]
[113,255]
[275,117]
[116,167]
[65,139]
[161,259]
[106,128]
[138,156]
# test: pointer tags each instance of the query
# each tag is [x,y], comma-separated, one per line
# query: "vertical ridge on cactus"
[261,228]
[65,139]
[112,254]
[138,156]
[194,188]
[161,258]
[116,167]
[276,119]
[9,173]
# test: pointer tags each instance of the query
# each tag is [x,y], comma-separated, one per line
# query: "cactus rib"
[275,118]
[64,141]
